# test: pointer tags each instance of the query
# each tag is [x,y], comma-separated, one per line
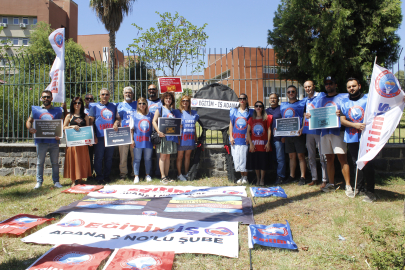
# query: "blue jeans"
[279,155]
[147,156]
[100,152]
[42,149]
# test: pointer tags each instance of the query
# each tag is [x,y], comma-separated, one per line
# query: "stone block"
[6,171]
[391,152]
[31,172]
[16,154]
[62,161]
[33,163]
[29,154]
[47,171]
[4,154]
[8,162]
[219,164]
[19,171]
[397,165]
[61,153]
[381,165]
[23,162]
[216,173]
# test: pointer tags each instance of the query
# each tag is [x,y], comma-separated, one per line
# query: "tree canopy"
[174,42]
[315,39]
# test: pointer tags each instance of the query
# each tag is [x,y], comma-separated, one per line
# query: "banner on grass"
[83,189]
[275,235]
[267,192]
[20,223]
[141,232]
[57,73]
[71,257]
[383,112]
[130,259]
[212,208]
[132,191]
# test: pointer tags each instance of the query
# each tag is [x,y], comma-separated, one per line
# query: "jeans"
[42,149]
[314,141]
[147,156]
[279,155]
[100,152]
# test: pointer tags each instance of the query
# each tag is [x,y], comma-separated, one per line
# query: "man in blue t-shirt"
[103,116]
[352,117]
[46,112]
[154,103]
[278,152]
[124,111]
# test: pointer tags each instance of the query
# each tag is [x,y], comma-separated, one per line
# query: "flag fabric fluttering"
[267,192]
[57,73]
[275,235]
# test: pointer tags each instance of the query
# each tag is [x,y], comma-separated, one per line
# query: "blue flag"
[275,235]
[267,192]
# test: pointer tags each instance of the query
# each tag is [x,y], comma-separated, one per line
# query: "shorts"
[239,155]
[295,144]
[186,147]
[333,144]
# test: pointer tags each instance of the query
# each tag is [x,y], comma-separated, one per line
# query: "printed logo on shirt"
[106,114]
[288,113]
[386,85]
[274,231]
[241,123]
[144,125]
[73,258]
[330,103]
[356,114]
[170,115]
[46,116]
[258,129]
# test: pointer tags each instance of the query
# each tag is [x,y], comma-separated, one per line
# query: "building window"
[25,41]
[15,41]
[34,21]
[16,21]
[25,20]
[224,75]
[5,20]
[273,69]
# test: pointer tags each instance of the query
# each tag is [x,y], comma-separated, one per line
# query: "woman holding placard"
[168,144]
[141,128]
[77,160]
[188,136]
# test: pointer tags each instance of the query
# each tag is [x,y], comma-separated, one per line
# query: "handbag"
[154,137]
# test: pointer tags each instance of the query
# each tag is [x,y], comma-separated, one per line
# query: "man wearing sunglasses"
[103,115]
[46,112]
[124,111]
[154,103]
[294,145]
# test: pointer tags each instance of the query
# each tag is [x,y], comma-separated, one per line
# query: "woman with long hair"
[77,160]
[188,136]
[237,136]
[258,137]
[141,129]
[168,144]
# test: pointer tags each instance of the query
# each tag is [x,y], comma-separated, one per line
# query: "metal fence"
[253,71]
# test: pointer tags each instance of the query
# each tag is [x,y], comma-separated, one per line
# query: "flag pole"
[250,258]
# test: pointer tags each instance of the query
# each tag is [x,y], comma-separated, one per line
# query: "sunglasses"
[46,97]
[77,103]
[290,92]
[242,98]
[152,89]
[259,106]
[185,100]
[329,83]
[105,95]
[141,103]
[87,98]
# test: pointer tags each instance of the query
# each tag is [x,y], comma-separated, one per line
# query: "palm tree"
[111,14]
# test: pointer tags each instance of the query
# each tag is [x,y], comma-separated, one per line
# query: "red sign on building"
[170,84]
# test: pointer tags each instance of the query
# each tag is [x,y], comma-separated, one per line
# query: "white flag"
[384,110]
[57,73]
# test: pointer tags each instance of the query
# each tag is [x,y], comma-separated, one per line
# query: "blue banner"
[275,235]
[267,192]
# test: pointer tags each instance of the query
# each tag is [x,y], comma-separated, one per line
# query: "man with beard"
[124,111]
[353,110]
[46,112]
[154,103]
[276,144]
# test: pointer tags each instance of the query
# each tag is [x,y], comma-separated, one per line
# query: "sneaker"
[349,191]
[187,176]
[323,185]
[239,181]
[369,197]
[329,187]
[148,178]
[302,181]
[38,185]
[123,176]
[181,178]
[289,180]
[279,180]
[245,181]
[136,179]
[57,185]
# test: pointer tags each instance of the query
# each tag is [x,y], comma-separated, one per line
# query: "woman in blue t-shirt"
[168,144]
[188,136]
[141,128]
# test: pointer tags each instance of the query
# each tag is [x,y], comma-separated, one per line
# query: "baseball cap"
[330,78]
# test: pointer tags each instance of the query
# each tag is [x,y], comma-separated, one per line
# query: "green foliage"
[174,42]
[186,92]
[315,39]
[400,75]
[388,251]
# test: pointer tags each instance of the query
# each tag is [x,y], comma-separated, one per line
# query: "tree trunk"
[112,70]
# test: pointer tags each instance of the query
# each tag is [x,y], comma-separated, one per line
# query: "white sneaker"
[38,185]
[329,187]
[136,179]
[239,181]
[57,185]
[349,191]
[181,178]
[245,181]
[148,178]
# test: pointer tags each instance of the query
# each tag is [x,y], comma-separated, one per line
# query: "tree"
[174,42]
[400,75]
[110,13]
[314,39]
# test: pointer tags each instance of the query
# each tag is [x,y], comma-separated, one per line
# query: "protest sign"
[169,126]
[19,224]
[267,192]
[84,136]
[275,235]
[130,259]
[83,189]
[120,137]
[213,104]
[287,126]
[48,129]
[170,84]
[324,117]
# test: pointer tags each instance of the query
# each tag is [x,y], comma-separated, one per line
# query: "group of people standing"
[252,135]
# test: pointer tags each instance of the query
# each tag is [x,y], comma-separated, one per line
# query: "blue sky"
[230,23]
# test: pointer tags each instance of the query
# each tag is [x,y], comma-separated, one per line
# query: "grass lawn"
[316,218]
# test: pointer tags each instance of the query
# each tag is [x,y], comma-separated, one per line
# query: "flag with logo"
[128,259]
[383,112]
[69,257]
[275,235]
[57,73]
[84,189]
[19,224]
[267,192]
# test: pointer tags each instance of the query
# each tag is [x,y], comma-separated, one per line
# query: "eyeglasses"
[185,100]
[290,92]
[141,103]
[104,95]
[127,93]
[88,98]
[77,103]
[242,98]
[151,89]
[46,97]
[329,83]
[259,106]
